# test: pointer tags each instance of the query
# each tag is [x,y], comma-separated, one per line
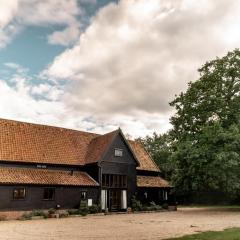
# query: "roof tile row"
[152,181]
[45,177]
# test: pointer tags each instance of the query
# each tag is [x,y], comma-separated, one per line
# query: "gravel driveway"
[122,226]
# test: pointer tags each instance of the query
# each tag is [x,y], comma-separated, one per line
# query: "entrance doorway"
[114,200]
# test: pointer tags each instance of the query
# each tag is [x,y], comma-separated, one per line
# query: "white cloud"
[137,54]
[23,99]
[125,68]
[18,68]
[50,92]
[66,37]
[17,103]
[17,14]
[7,10]
[46,12]
[42,103]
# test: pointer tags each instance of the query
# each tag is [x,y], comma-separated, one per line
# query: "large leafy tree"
[215,96]
[206,129]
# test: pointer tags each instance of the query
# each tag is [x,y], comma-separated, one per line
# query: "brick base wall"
[11,215]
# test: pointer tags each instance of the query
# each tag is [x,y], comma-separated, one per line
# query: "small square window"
[118,152]
[19,193]
[48,193]
[83,195]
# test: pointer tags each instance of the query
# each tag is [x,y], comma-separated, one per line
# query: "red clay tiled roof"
[152,181]
[98,146]
[45,177]
[146,163]
[34,143]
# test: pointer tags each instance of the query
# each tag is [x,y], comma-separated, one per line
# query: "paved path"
[123,226]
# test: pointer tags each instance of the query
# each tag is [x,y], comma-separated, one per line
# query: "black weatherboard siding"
[66,197]
[125,165]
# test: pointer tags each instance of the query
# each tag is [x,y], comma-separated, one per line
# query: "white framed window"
[118,152]
[19,193]
[83,195]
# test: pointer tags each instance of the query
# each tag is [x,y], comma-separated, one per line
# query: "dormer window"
[118,152]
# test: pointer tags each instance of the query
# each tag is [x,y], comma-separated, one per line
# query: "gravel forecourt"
[138,226]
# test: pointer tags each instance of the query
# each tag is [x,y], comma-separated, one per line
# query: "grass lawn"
[228,234]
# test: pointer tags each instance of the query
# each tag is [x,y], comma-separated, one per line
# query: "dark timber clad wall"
[124,165]
[67,197]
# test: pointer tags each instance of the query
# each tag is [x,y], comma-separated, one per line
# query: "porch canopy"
[152,181]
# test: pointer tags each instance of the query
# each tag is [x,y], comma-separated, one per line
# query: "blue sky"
[97,65]
[31,49]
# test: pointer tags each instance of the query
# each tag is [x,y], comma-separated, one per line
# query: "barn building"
[44,166]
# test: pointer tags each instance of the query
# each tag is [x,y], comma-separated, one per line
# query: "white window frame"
[118,152]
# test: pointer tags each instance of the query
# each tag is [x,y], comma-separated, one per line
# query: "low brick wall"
[15,215]
[11,215]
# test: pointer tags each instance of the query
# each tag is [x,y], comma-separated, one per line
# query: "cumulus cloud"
[17,14]
[23,100]
[7,10]
[132,59]
[136,55]
[66,37]
[18,68]
[17,103]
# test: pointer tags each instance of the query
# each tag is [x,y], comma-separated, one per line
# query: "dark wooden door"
[115,200]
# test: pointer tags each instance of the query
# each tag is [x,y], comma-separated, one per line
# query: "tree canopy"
[206,129]
[204,145]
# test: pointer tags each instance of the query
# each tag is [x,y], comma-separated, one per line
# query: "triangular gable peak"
[100,147]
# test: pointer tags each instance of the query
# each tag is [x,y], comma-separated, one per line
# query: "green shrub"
[39,213]
[83,204]
[94,208]
[136,204]
[158,207]
[73,212]
[153,206]
[26,216]
[83,212]
[52,211]
[165,206]
[83,208]
[145,208]
[63,215]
